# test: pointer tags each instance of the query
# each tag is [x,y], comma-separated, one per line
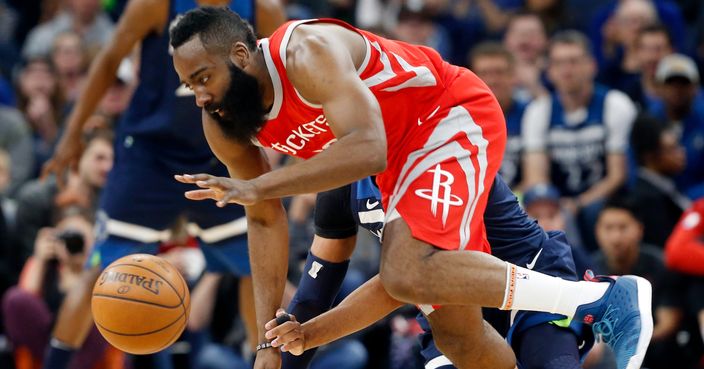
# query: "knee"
[397,283]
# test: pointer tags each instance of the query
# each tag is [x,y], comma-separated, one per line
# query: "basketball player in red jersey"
[355,104]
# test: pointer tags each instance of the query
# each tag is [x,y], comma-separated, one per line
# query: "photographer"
[30,307]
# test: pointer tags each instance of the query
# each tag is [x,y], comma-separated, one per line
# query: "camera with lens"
[73,240]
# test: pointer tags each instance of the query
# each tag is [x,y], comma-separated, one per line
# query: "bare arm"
[536,168]
[140,18]
[366,305]
[321,68]
[203,298]
[270,15]
[615,177]
[668,320]
[267,226]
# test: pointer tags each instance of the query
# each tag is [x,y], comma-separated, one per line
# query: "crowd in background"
[605,123]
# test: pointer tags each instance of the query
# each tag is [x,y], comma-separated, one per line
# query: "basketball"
[140,304]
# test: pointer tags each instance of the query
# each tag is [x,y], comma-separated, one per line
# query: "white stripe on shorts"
[438,362]
[438,149]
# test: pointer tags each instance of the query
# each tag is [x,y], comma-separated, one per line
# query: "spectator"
[603,30]
[542,203]
[16,140]
[41,102]
[36,200]
[416,26]
[577,137]
[69,58]
[29,308]
[660,157]
[620,66]
[653,43]
[682,107]
[496,67]
[82,16]
[527,41]
[619,232]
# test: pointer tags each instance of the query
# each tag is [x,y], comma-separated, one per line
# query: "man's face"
[548,215]
[96,162]
[671,155]
[652,47]
[570,68]
[496,71]
[231,96]
[619,235]
[526,39]
[85,10]
[678,93]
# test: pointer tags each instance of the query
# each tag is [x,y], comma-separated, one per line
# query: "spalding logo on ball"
[140,304]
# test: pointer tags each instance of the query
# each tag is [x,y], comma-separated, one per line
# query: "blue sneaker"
[622,318]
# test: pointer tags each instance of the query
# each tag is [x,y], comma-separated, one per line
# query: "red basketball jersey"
[415,90]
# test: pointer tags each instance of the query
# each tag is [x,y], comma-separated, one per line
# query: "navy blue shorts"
[230,256]
[554,257]
[141,189]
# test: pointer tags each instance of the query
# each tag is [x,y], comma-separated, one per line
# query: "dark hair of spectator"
[218,28]
[99,134]
[620,200]
[490,49]
[645,137]
[571,37]
[657,28]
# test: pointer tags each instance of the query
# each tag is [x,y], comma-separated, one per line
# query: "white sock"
[530,290]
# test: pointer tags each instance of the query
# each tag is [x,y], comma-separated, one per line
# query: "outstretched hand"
[66,157]
[223,190]
[288,335]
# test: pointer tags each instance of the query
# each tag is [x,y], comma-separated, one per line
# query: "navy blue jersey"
[511,165]
[161,109]
[578,151]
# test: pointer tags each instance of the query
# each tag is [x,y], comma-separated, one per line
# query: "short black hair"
[622,200]
[645,137]
[572,37]
[218,28]
[490,48]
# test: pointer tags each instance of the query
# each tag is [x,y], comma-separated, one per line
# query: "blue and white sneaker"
[622,318]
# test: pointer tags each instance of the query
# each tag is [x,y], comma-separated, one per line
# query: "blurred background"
[605,116]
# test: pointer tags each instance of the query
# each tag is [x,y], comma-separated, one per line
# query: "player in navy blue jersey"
[540,340]
[160,134]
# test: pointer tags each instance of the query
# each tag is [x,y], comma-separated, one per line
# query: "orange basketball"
[140,304]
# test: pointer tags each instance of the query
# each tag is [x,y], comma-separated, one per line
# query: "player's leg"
[547,346]
[230,256]
[441,193]
[467,340]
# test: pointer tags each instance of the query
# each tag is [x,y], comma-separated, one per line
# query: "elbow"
[377,162]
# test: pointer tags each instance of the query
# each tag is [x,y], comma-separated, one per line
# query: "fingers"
[192,178]
[202,195]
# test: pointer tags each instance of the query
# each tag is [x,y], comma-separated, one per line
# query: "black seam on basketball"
[174,337]
[151,271]
[145,333]
[139,301]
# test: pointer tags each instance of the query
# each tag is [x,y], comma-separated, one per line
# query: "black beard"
[240,113]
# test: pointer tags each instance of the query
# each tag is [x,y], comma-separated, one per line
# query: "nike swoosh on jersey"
[372,205]
[535,259]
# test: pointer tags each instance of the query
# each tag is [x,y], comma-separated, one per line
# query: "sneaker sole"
[645,295]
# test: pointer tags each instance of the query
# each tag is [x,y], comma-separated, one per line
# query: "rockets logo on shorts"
[441,193]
